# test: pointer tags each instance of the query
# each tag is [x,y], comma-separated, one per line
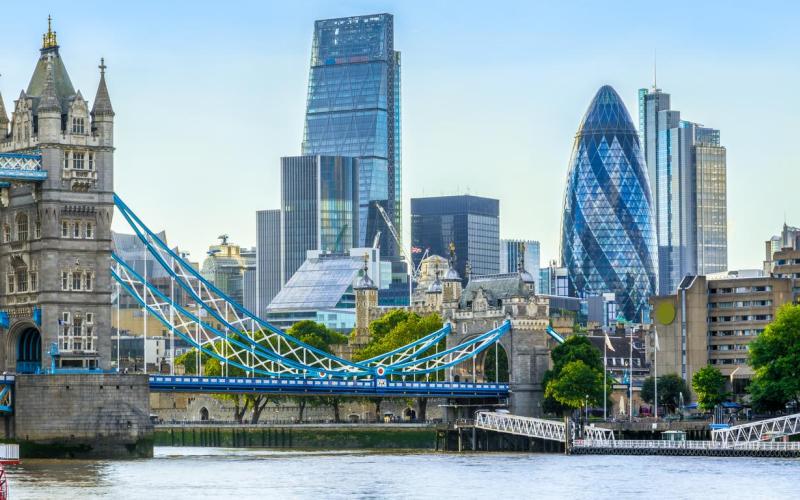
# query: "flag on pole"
[608,342]
[655,341]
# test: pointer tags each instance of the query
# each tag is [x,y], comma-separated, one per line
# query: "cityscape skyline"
[434,156]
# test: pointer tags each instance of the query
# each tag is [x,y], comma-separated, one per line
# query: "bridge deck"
[380,387]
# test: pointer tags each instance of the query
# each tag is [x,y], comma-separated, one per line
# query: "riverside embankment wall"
[306,436]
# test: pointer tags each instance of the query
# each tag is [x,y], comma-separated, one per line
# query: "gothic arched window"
[22,227]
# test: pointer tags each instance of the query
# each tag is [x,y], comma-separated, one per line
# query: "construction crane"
[413,272]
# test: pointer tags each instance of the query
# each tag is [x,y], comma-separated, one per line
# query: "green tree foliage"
[492,366]
[316,334]
[709,385]
[574,383]
[775,358]
[575,348]
[670,388]
[396,329]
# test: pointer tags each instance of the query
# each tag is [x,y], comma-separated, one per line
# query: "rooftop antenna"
[655,67]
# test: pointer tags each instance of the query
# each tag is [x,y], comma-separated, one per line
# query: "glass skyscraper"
[608,241]
[353,109]
[268,258]
[512,250]
[471,223]
[686,168]
[319,208]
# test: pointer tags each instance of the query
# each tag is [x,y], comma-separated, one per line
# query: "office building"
[687,173]
[608,238]
[268,258]
[321,289]
[711,320]
[226,266]
[319,208]
[511,251]
[249,286]
[470,223]
[353,109]
[553,280]
[783,257]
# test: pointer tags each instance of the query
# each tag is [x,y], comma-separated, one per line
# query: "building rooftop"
[319,283]
[496,287]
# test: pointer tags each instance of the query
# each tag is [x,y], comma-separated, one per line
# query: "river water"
[195,473]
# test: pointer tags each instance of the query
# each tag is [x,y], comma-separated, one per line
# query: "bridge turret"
[3,119]
[102,111]
[49,110]
[451,284]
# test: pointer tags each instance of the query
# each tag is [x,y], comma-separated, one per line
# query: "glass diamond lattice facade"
[607,234]
[353,109]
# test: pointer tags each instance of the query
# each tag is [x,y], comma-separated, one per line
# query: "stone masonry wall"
[85,415]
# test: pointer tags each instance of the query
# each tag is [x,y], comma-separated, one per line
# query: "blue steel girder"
[259,347]
[18,167]
[202,335]
[6,402]
[376,387]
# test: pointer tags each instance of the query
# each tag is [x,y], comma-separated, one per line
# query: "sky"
[209,95]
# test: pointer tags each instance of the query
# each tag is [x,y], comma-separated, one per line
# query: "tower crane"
[413,271]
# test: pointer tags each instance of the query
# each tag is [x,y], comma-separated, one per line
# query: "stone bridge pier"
[527,348]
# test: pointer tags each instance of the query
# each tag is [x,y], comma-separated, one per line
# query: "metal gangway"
[536,427]
[762,430]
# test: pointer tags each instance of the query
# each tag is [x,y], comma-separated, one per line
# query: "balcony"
[77,345]
[79,179]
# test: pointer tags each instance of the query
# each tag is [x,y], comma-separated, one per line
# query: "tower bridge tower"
[56,205]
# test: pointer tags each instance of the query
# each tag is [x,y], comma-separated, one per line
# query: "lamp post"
[587,409]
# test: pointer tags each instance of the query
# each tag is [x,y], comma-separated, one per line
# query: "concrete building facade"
[712,321]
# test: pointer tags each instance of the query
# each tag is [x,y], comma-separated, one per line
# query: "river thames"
[193,473]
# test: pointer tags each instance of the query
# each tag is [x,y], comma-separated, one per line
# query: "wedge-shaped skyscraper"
[608,241]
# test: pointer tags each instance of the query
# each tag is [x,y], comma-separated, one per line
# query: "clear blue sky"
[209,95]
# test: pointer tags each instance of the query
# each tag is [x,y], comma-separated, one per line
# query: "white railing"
[758,431]
[9,452]
[521,426]
[536,427]
[632,444]
[598,433]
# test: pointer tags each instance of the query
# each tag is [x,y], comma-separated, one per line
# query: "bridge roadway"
[379,387]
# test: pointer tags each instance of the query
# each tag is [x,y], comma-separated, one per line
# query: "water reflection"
[192,473]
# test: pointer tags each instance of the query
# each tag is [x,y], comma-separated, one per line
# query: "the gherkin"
[608,241]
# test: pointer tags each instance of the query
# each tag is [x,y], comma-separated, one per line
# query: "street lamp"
[587,409]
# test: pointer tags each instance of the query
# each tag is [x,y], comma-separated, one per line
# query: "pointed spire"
[102,102]
[49,100]
[3,114]
[365,282]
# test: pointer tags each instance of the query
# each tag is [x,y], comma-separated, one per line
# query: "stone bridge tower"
[485,303]
[56,194]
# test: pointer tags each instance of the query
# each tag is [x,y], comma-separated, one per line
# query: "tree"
[397,329]
[501,364]
[316,335]
[574,348]
[323,338]
[670,388]
[775,358]
[709,385]
[574,383]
